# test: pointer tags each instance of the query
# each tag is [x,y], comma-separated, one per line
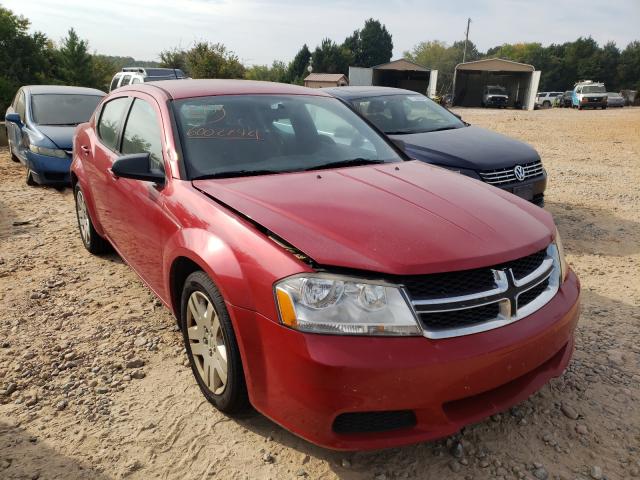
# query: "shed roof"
[495,65]
[325,77]
[401,64]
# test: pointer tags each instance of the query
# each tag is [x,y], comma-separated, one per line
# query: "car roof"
[347,93]
[62,89]
[188,88]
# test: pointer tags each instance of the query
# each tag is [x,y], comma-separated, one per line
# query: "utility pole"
[466,39]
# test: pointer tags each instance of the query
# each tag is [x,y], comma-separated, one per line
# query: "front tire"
[29,179]
[13,155]
[91,240]
[211,344]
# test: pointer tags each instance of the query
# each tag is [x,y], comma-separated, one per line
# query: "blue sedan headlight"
[49,152]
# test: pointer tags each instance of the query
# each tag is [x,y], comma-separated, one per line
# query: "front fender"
[215,257]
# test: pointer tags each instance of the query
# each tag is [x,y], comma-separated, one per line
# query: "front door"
[138,223]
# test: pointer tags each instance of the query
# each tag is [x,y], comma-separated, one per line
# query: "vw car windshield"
[238,135]
[62,109]
[401,114]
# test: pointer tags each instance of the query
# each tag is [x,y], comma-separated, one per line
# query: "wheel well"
[182,267]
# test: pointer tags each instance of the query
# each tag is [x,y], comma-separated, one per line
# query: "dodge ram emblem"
[519,172]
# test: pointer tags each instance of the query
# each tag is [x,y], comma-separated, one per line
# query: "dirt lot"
[94,382]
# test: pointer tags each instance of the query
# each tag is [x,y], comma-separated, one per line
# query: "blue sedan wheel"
[30,181]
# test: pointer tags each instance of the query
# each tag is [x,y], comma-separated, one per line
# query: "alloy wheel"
[83,218]
[207,342]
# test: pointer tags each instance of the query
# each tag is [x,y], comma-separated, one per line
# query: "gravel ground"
[94,381]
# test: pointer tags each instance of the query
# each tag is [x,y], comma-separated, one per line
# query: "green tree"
[24,57]
[329,57]
[75,62]
[297,69]
[376,44]
[174,58]
[276,73]
[629,67]
[438,55]
[212,60]
[103,67]
[373,45]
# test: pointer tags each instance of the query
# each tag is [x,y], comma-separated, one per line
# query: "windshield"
[614,95]
[234,135]
[496,91]
[402,114]
[593,89]
[62,109]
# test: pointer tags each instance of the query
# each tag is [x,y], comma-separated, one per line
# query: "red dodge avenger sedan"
[355,297]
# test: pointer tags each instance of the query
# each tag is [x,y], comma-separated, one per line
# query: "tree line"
[33,58]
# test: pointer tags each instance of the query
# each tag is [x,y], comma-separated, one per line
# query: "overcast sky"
[262,31]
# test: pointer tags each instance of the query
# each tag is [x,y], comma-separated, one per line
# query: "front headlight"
[49,152]
[564,268]
[335,304]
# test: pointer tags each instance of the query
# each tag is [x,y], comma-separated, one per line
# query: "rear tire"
[91,240]
[211,344]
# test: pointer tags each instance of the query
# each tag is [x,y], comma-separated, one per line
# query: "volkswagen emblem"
[519,172]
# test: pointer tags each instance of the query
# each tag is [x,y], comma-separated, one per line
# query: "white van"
[588,94]
[131,75]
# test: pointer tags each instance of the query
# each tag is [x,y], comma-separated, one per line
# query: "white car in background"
[547,99]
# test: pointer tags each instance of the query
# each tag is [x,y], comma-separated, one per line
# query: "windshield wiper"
[236,173]
[401,132]
[443,128]
[354,162]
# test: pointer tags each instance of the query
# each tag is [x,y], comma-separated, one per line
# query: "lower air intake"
[367,422]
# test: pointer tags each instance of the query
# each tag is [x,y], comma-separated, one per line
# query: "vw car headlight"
[336,304]
[49,152]
[564,268]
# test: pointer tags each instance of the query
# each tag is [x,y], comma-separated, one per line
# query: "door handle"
[84,149]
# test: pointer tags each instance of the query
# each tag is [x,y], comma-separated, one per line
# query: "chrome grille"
[517,289]
[502,176]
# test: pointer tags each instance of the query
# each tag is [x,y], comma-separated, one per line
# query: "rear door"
[100,153]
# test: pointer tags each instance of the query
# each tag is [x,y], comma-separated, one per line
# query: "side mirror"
[137,166]
[13,118]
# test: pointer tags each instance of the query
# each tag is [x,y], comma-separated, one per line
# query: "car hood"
[62,136]
[468,147]
[401,218]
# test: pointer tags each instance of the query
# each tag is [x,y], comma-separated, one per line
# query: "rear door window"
[142,133]
[111,121]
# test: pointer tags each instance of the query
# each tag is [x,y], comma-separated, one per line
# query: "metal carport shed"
[520,80]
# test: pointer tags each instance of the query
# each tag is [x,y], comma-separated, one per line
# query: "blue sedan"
[40,124]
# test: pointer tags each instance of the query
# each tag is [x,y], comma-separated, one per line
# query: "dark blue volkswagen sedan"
[428,132]
[40,124]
